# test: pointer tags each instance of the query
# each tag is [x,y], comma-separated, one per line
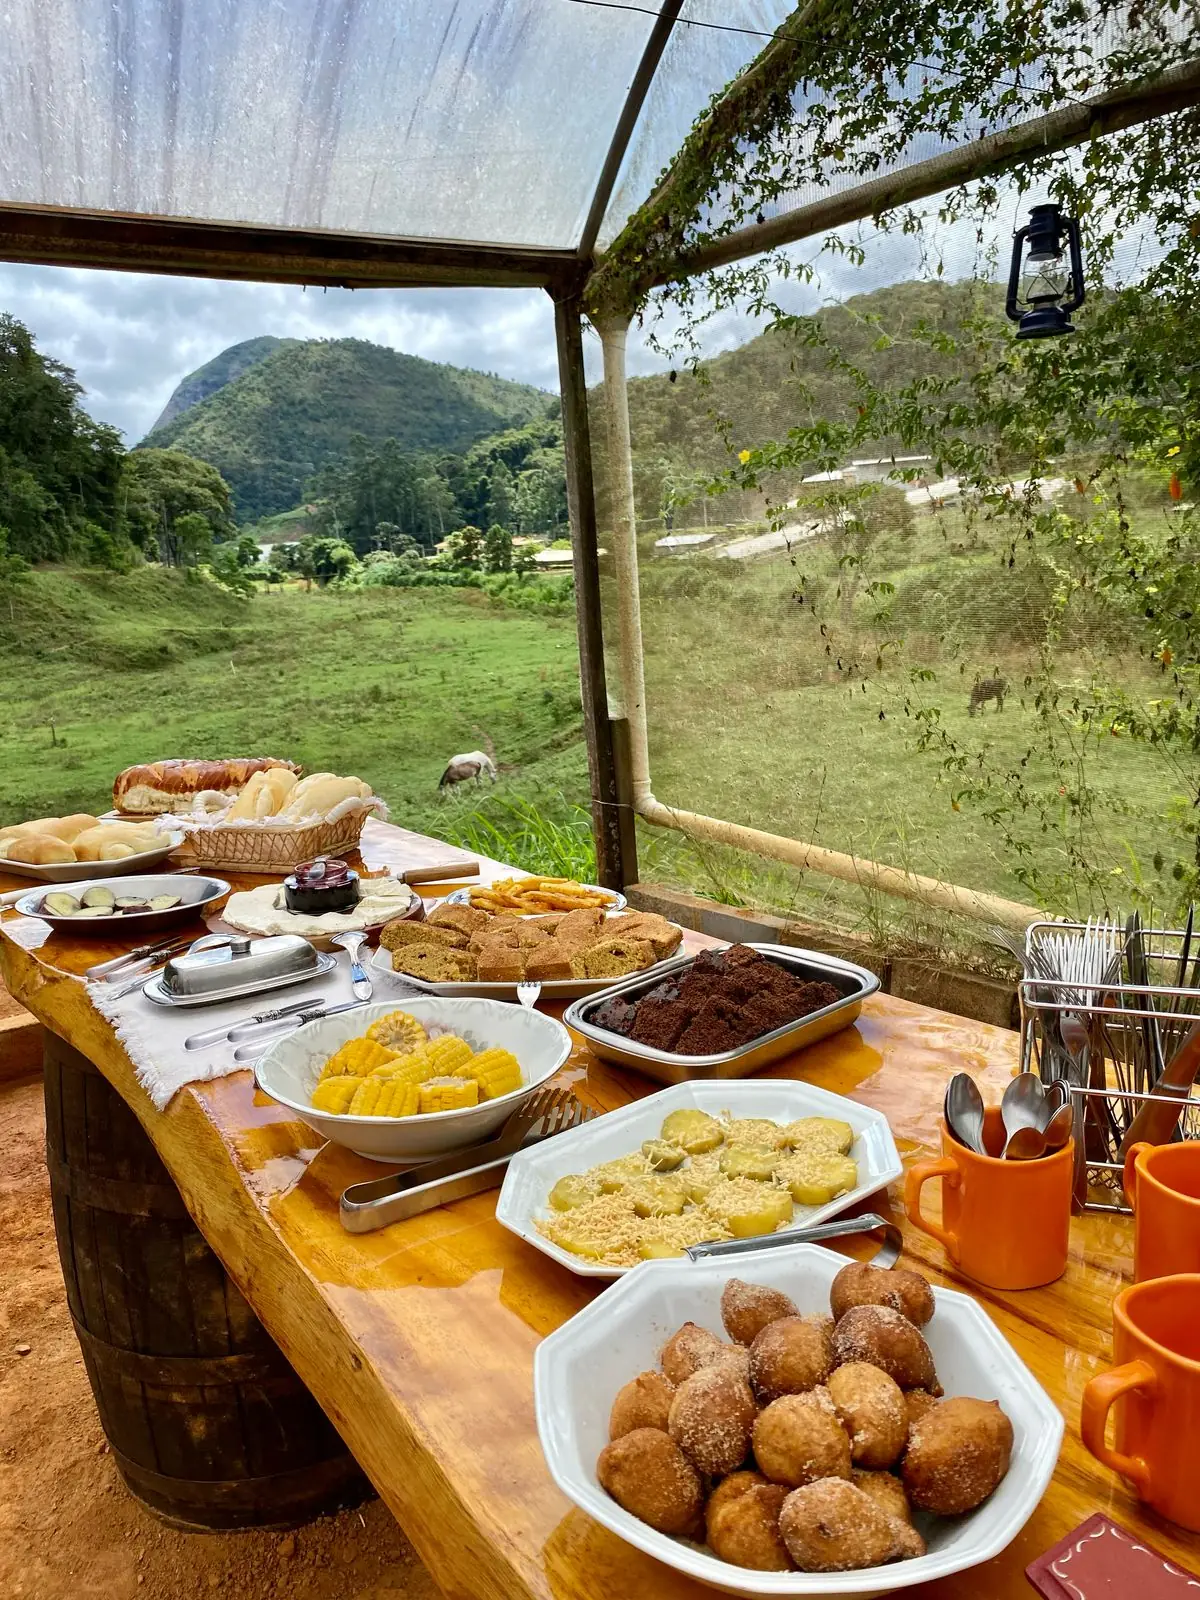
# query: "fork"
[528,993]
[545,1114]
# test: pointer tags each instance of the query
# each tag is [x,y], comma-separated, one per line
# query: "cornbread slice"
[434,962]
[580,928]
[462,919]
[664,936]
[531,937]
[402,932]
[613,958]
[504,938]
[550,964]
[494,964]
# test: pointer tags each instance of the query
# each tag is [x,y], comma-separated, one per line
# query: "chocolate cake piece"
[762,1013]
[711,1031]
[667,990]
[660,1023]
[815,997]
[616,1016]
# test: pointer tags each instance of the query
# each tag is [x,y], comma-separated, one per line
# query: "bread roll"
[69,828]
[90,844]
[41,850]
[263,796]
[16,830]
[115,851]
[314,798]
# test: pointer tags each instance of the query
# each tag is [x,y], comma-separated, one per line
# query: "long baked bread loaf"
[161,786]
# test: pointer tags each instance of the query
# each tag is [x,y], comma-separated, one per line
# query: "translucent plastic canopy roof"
[487,121]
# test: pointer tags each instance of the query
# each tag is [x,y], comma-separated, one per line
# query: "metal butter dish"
[852,982]
[210,971]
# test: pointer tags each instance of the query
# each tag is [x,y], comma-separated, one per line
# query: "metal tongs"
[367,1206]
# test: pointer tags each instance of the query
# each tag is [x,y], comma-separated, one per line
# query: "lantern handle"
[1077,297]
[1014,275]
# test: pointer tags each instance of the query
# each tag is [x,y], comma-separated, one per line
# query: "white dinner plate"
[579,1368]
[462,897]
[533,1173]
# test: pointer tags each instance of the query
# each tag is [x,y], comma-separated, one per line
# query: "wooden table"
[418,1341]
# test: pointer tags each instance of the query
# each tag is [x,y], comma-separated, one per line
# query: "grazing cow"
[986,689]
[473,764]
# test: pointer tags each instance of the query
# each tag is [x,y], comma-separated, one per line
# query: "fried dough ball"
[885,1338]
[791,1355]
[737,1483]
[917,1402]
[644,1402]
[830,1526]
[745,1530]
[746,1309]
[711,1418]
[886,1490]
[872,1410]
[862,1285]
[798,1439]
[649,1476]
[957,1454]
[687,1350]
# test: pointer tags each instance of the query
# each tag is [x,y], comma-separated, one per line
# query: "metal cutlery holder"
[1132,1029]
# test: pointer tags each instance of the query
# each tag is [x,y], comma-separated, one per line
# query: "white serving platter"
[69,871]
[462,897]
[552,989]
[579,1368]
[533,1173]
[291,1067]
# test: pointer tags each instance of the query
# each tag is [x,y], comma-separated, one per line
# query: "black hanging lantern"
[1045,283]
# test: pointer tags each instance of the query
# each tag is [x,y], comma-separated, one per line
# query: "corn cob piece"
[382,1097]
[496,1072]
[335,1094]
[412,1068]
[398,1032]
[447,1053]
[447,1094]
[356,1056]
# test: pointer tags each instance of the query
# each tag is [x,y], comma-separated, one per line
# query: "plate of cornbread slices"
[464,950]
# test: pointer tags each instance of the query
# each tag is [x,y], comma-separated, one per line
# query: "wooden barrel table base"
[207,1422]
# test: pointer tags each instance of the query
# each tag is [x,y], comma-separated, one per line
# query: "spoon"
[964,1111]
[1023,1105]
[1028,1143]
[1058,1130]
[352,943]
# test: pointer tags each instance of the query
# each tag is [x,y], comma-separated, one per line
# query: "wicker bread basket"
[269,846]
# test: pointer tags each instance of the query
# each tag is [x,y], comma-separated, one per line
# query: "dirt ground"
[68,1528]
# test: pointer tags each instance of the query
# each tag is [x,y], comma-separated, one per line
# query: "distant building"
[872,471]
[681,544]
[553,559]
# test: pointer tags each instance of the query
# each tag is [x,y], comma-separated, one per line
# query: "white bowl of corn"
[412,1082]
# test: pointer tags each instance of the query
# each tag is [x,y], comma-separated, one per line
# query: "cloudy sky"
[131,337]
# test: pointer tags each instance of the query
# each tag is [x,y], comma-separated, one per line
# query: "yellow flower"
[1174,450]
[743,456]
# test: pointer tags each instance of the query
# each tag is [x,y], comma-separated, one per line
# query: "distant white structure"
[556,558]
[871,471]
[681,544]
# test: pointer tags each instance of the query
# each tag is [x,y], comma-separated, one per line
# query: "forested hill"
[297,410]
[215,374]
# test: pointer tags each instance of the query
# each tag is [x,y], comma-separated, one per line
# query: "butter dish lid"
[231,961]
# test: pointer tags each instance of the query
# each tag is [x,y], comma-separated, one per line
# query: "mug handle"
[915,1180]
[1127,1182]
[1099,1397]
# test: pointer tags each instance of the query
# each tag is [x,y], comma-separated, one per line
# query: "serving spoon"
[963,1109]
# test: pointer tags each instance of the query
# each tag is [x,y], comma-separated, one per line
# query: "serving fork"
[547,1112]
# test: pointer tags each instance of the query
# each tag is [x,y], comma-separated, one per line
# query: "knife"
[201,1041]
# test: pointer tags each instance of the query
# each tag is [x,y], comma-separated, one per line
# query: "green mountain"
[297,409]
[687,427]
[215,374]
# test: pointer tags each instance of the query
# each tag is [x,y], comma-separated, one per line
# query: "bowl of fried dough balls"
[808,1426]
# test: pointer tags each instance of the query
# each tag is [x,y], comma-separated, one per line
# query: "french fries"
[529,897]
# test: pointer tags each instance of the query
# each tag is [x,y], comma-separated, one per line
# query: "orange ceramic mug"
[1004,1223]
[1162,1184]
[1156,1341]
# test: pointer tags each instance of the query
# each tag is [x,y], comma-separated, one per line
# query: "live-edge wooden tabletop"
[418,1340]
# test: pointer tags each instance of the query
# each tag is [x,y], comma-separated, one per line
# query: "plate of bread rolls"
[52,849]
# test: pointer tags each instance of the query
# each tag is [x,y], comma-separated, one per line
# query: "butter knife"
[208,1036]
[252,1030]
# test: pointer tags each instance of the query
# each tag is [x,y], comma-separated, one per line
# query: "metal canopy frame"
[617,755]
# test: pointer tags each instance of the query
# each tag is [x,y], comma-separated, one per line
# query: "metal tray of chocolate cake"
[722,1013]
